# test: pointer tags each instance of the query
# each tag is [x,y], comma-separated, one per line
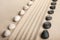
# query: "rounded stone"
[45,34]
[32,0]
[25,7]
[30,3]
[46,25]
[52,7]
[22,12]
[7,33]
[11,26]
[50,12]
[53,3]
[54,0]
[17,18]
[48,18]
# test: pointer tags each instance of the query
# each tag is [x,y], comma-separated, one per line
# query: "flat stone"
[21,13]
[45,34]
[54,0]
[52,7]
[7,33]
[25,7]
[11,26]
[16,18]
[48,18]
[50,12]
[46,25]
[30,3]
[53,3]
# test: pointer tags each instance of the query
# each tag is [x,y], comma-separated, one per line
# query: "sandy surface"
[10,8]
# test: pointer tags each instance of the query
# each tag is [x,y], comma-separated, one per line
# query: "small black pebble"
[52,7]
[50,12]
[46,25]
[54,0]
[53,3]
[48,18]
[45,34]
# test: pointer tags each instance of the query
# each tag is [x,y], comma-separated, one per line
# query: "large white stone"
[7,33]
[17,18]
[11,26]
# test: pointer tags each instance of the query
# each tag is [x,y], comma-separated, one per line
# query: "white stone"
[11,26]
[22,12]
[30,3]
[7,33]
[17,18]
[26,7]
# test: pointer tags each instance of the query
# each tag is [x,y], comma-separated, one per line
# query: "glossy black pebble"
[53,3]
[48,18]
[52,7]
[54,0]
[46,25]
[45,34]
[50,12]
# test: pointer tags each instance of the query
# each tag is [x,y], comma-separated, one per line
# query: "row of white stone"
[17,18]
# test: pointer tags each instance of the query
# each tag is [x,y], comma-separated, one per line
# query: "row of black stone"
[47,25]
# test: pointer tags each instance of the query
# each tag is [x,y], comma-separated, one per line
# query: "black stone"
[45,34]
[54,0]
[53,3]
[48,18]
[52,7]
[46,25]
[50,12]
